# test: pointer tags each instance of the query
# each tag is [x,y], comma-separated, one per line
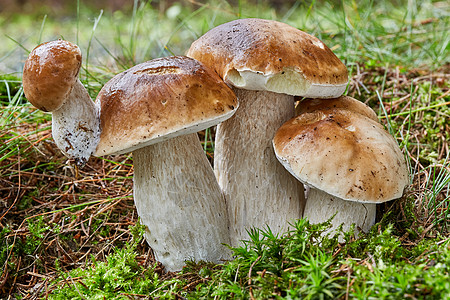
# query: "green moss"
[303,263]
[119,277]
[307,264]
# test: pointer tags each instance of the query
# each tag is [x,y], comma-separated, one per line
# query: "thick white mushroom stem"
[180,203]
[76,125]
[321,206]
[258,190]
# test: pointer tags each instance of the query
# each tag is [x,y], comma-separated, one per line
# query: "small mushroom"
[50,82]
[154,110]
[346,158]
[267,63]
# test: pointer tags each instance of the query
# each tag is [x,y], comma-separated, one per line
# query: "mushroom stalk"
[76,125]
[259,192]
[180,203]
[321,206]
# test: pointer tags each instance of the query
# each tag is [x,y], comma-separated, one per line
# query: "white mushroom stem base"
[76,125]
[258,190]
[321,206]
[180,203]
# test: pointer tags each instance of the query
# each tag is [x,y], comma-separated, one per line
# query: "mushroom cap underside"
[158,100]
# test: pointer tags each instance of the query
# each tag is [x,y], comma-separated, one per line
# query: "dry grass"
[74,214]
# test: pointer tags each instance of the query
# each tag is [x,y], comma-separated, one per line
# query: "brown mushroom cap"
[268,55]
[344,154]
[343,102]
[158,100]
[50,72]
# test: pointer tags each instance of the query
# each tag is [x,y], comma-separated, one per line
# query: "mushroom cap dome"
[343,153]
[160,99]
[259,54]
[50,72]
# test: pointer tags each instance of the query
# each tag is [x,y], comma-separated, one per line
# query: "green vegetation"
[120,276]
[303,263]
[65,232]
[306,264]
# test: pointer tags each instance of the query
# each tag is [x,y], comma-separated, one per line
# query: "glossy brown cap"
[344,154]
[343,102]
[158,100]
[50,72]
[261,54]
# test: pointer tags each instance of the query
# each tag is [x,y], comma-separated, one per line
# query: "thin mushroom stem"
[321,206]
[180,203]
[258,190]
[76,125]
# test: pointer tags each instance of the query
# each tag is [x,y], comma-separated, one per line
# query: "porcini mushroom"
[345,156]
[50,82]
[154,110]
[267,63]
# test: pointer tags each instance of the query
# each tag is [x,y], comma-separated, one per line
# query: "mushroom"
[267,63]
[338,148]
[154,110]
[50,82]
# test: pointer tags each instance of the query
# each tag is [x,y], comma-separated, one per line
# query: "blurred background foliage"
[115,35]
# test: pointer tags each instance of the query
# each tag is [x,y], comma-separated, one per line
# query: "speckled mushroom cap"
[258,54]
[50,72]
[158,100]
[344,154]
[343,102]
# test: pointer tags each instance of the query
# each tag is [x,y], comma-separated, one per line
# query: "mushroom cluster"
[267,63]
[245,76]
[154,110]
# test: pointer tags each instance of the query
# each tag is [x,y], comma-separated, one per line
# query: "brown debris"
[93,206]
